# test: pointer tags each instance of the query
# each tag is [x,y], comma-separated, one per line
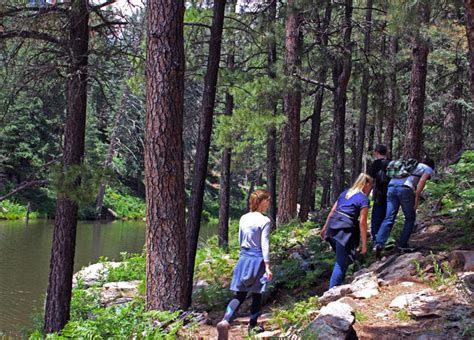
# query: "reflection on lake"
[25,252]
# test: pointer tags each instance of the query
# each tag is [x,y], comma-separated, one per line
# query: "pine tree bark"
[416,100]
[58,299]
[469,20]
[164,171]
[290,138]
[341,75]
[224,194]
[453,121]
[364,92]
[381,107]
[204,141]
[392,96]
[307,197]
[271,167]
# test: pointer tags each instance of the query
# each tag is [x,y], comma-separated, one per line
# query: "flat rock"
[333,294]
[92,274]
[267,334]
[363,287]
[115,293]
[429,303]
[333,322]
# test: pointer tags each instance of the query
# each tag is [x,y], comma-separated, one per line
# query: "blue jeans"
[398,196]
[342,263]
[378,215]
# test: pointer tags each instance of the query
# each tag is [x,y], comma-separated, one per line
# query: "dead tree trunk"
[58,299]
[164,170]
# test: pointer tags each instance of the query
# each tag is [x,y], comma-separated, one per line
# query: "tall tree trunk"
[364,92]
[290,138]
[325,196]
[307,192]
[392,96]
[341,74]
[416,100]
[164,170]
[224,194]
[353,134]
[204,141]
[58,299]
[453,120]
[469,20]
[271,133]
[381,107]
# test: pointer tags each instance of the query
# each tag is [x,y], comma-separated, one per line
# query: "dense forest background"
[286,95]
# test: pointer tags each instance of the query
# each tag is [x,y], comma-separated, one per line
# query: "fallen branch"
[36,183]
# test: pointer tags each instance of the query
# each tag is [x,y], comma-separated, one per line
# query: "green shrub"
[125,205]
[297,315]
[12,211]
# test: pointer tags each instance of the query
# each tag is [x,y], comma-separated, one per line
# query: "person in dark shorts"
[346,224]
[253,268]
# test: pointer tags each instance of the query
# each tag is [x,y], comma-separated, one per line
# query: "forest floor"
[436,238]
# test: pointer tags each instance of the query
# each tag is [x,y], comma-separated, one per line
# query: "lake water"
[25,251]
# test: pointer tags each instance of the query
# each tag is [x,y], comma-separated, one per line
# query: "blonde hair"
[256,198]
[359,184]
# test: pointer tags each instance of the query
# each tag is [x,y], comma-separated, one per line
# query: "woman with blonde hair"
[343,228]
[253,268]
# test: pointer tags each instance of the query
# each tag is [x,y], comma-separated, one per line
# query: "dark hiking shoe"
[377,252]
[404,250]
[253,330]
[223,330]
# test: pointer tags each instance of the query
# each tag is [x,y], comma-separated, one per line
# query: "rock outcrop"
[334,322]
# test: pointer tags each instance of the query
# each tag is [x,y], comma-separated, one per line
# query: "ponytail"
[256,198]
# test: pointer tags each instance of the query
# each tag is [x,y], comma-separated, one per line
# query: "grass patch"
[403,315]
[360,316]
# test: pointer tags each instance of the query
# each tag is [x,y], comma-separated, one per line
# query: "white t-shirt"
[254,232]
[412,180]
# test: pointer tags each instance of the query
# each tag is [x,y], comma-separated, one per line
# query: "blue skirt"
[248,272]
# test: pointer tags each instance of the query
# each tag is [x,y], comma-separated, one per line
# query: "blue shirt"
[353,205]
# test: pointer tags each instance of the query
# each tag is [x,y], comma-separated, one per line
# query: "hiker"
[253,268]
[404,189]
[377,171]
[343,228]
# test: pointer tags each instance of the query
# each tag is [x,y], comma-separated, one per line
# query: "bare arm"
[363,229]
[333,210]
[420,187]
[266,250]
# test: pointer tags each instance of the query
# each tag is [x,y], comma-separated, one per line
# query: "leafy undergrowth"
[13,211]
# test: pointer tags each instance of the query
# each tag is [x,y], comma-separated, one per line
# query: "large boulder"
[93,274]
[333,322]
